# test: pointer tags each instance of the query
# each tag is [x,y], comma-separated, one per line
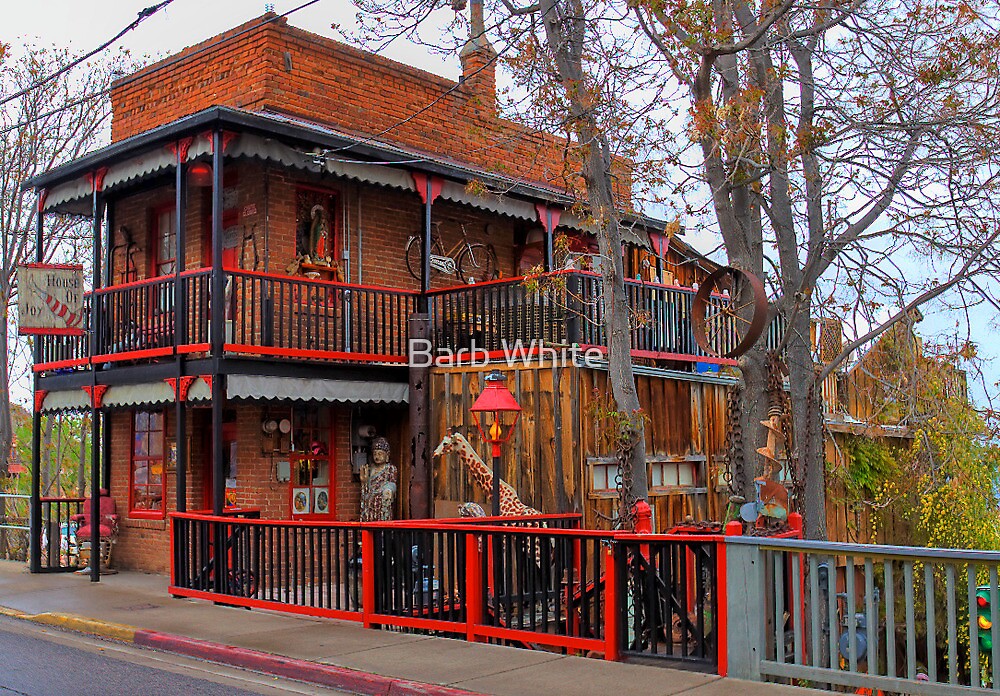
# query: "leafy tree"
[40,129]
[823,143]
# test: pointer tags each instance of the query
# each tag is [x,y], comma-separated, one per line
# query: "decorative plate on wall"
[300,501]
[321,501]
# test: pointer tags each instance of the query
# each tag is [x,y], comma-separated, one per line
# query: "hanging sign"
[50,299]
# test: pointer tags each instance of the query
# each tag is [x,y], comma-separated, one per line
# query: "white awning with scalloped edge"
[326,390]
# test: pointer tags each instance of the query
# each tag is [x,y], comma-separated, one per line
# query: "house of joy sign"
[50,299]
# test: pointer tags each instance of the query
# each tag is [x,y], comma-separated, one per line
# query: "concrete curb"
[302,670]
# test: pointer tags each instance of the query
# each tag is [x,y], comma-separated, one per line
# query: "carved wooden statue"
[378,484]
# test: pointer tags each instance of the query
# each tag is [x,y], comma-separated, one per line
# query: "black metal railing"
[294,317]
[670,590]
[59,543]
[306,316]
[497,315]
[545,582]
[420,573]
[311,566]
[135,317]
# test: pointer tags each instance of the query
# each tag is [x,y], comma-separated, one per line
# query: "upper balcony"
[290,317]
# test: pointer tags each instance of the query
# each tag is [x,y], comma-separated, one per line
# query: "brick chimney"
[479,61]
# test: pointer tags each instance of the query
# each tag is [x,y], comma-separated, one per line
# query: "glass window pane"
[141,420]
[156,421]
[685,474]
[140,446]
[156,444]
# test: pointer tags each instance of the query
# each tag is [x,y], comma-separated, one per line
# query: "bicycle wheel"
[477,263]
[415,254]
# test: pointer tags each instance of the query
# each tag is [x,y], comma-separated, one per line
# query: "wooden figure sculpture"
[510,503]
[378,484]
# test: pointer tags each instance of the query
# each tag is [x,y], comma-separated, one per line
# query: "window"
[312,483]
[147,490]
[165,241]
[604,476]
[672,474]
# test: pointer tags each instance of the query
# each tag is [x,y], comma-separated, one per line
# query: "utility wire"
[142,16]
[169,63]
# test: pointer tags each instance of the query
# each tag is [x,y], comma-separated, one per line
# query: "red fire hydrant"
[643,518]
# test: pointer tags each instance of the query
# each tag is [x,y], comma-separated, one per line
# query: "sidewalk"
[135,607]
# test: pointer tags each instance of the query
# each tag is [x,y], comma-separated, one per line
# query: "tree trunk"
[6,424]
[752,392]
[807,425]
[617,328]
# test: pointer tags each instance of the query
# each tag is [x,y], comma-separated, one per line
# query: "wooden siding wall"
[546,459]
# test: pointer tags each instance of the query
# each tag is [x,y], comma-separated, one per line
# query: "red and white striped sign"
[50,299]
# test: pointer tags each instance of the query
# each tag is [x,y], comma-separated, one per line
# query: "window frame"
[157,234]
[146,513]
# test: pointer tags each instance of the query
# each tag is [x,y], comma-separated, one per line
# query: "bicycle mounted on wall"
[470,262]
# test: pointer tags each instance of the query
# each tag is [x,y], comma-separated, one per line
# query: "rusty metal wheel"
[727,327]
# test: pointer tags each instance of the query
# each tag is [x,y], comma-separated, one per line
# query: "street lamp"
[495,399]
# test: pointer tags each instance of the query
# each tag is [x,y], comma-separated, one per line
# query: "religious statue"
[378,484]
[319,236]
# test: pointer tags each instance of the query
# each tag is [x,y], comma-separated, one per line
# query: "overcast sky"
[83,26]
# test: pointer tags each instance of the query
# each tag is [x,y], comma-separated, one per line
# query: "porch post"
[549,250]
[425,271]
[420,420]
[180,329]
[745,605]
[95,414]
[218,326]
[35,514]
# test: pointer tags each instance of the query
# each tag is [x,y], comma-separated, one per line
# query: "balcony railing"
[283,316]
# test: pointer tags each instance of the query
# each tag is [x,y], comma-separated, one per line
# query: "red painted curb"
[303,670]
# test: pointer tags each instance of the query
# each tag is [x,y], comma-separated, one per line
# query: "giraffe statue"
[510,503]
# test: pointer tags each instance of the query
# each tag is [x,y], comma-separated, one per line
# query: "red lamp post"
[495,399]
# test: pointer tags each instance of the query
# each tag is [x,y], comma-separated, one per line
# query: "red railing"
[513,581]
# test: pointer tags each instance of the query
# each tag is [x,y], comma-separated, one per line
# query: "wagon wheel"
[727,328]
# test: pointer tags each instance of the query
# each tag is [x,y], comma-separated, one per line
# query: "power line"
[142,16]
[144,74]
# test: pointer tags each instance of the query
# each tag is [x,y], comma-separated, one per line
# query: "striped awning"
[263,388]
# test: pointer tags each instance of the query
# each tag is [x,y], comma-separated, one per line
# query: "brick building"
[300,179]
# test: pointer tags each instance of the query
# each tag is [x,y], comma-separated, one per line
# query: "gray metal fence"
[896,619]
[14,516]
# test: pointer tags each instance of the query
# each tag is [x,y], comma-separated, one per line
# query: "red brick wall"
[335,84]
[145,544]
[386,217]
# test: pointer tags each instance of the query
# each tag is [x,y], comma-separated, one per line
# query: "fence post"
[367,577]
[612,615]
[473,586]
[744,604]
[734,528]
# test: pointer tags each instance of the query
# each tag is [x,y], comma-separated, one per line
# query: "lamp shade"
[200,174]
[495,396]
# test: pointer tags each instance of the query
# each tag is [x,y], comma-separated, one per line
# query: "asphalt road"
[45,661]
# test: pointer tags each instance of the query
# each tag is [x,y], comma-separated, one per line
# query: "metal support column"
[180,329]
[95,414]
[425,271]
[218,327]
[35,514]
